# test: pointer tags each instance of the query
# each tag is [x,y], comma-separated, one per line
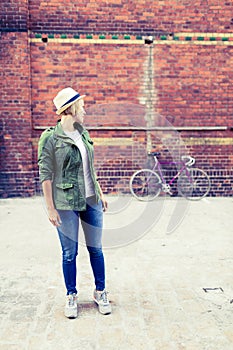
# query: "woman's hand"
[104,203]
[103,200]
[54,217]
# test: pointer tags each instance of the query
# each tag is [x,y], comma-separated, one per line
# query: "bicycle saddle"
[153,153]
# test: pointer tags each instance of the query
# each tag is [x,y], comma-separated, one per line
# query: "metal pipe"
[141,128]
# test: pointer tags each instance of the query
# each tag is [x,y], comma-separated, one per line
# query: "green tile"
[38,35]
[63,36]
[163,37]
[115,37]
[138,37]
[176,38]
[102,36]
[225,39]
[200,38]
[89,36]
[188,38]
[51,36]
[76,36]
[127,37]
[212,38]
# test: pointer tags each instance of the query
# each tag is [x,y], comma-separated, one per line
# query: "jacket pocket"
[65,193]
[64,186]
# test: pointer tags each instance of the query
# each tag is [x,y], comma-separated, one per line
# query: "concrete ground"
[169,273]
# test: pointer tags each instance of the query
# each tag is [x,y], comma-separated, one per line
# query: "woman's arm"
[54,217]
[45,162]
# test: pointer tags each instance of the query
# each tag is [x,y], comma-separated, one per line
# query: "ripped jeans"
[92,223]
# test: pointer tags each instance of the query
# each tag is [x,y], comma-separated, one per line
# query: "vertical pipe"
[149,94]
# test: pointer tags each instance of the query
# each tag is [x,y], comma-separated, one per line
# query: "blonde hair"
[73,109]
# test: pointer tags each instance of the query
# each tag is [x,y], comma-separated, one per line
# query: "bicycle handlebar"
[190,160]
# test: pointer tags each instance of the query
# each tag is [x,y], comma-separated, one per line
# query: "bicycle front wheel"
[145,185]
[194,184]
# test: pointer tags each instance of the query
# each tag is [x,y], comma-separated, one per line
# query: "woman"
[73,195]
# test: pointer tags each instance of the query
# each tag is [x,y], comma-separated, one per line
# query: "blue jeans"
[92,224]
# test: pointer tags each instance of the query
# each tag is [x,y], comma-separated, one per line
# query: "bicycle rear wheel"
[145,185]
[193,184]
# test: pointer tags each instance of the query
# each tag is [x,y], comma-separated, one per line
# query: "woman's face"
[79,112]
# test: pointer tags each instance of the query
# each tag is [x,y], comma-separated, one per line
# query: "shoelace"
[71,300]
[104,297]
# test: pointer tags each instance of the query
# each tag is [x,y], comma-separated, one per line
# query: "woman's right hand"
[54,217]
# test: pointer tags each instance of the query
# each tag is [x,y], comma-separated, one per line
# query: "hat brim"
[62,109]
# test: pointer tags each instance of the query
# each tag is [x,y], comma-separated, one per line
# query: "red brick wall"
[14,15]
[16,169]
[197,79]
[181,83]
[132,16]
[102,72]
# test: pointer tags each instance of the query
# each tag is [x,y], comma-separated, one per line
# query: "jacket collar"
[60,133]
[78,127]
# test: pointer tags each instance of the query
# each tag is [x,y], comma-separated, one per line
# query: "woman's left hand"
[103,200]
[104,203]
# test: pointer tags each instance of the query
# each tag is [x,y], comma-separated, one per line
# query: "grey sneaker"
[71,308]
[102,301]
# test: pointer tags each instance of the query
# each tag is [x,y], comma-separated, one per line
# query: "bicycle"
[193,183]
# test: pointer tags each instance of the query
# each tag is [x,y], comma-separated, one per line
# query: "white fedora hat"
[65,98]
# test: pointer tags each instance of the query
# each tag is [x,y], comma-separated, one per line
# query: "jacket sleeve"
[87,135]
[45,156]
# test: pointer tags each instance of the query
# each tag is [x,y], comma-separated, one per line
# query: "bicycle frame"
[157,166]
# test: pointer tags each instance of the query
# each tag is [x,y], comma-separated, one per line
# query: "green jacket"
[60,161]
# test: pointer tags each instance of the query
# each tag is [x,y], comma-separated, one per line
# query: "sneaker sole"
[102,311]
[71,314]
